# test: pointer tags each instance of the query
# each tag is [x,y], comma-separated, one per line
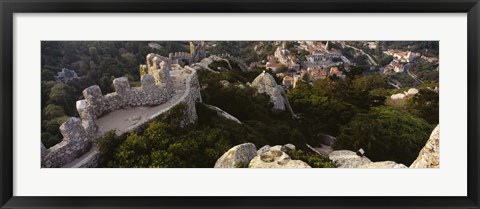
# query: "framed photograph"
[265,104]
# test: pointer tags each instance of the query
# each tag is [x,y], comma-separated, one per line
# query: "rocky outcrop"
[410,92]
[347,159]
[282,148]
[350,159]
[222,113]
[397,96]
[265,83]
[289,147]
[264,149]
[213,58]
[276,159]
[244,155]
[383,164]
[429,155]
[237,156]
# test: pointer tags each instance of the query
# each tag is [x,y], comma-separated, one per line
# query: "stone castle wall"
[125,96]
[243,66]
[76,142]
[180,56]
[156,88]
[189,98]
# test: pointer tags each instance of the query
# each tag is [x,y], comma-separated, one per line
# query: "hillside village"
[256,104]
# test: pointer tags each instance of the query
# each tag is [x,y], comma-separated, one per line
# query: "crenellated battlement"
[243,66]
[76,141]
[150,93]
[180,56]
[157,88]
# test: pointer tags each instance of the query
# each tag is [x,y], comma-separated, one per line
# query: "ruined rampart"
[157,87]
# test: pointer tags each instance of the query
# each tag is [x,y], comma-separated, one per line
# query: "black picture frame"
[9,7]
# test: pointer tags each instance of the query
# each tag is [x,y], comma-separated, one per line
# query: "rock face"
[347,159]
[264,149]
[276,159]
[282,148]
[266,157]
[397,96]
[265,83]
[383,164]
[429,155]
[237,156]
[412,92]
[222,113]
[289,147]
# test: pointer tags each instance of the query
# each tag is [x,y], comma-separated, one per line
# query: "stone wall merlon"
[75,142]
[72,129]
[121,85]
[150,93]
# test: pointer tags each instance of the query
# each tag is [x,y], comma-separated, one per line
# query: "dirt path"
[125,120]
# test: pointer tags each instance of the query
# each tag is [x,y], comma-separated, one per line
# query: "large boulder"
[289,147]
[265,83]
[267,148]
[347,159]
[276,159]
[264,149]
[237,156]
[383,164]
[429,155]
[412,92]
[398,96]
[279,148]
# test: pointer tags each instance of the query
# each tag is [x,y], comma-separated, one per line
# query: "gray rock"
[383,164]
[289,147]
[276,159]
[279,148]
[429,156]
[222,113]
[347,159]
[412,92]
[265,83]
[237,156]
[264,149]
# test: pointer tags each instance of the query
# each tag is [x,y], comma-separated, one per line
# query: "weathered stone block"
[121,85]
[72,129]
[87,117]
[93,95]
[148,83]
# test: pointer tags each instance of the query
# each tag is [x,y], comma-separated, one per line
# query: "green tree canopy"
[385,134]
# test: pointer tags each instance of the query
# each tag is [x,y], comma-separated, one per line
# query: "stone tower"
[159,68]
[197,50]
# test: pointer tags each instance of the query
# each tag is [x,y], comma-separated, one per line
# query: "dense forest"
[357,109]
